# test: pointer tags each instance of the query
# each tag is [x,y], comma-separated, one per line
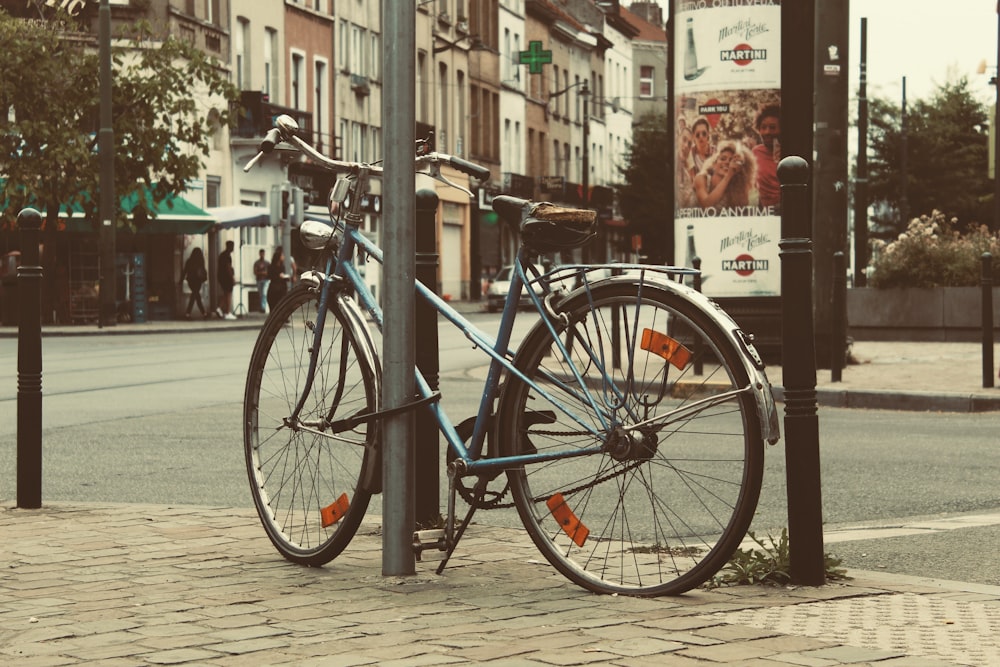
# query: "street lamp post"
[996,134]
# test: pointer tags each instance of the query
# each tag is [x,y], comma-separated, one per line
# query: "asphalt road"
[155,419]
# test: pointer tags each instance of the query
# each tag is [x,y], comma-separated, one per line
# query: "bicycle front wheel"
[306,478]
[659,444]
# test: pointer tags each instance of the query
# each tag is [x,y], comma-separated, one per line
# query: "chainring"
[491,499]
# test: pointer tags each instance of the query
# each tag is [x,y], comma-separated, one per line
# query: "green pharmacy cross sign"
[534,57]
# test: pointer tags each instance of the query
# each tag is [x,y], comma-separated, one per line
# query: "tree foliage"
[947,143]
[168,98]
[646,196]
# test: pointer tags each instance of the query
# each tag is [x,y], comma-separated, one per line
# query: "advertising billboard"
[727,95]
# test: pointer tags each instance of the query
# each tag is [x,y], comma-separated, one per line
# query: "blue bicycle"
[627,428]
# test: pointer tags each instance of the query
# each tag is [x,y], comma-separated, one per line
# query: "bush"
[933,252]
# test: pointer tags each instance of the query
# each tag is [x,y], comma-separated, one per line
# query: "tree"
[646,196]
[946,158]
[168,99]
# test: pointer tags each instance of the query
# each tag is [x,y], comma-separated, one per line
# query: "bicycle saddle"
[547,227]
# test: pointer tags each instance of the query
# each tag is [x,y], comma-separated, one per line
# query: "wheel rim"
[662,508]
[306,481]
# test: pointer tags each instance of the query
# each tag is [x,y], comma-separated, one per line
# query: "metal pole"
[798,361]
[861,181]
[986,280]
[904,178]
[996,135]
[585,93]
[106,146]
[428,455]
[838,315]
[699,363]
[398,49]
[29,363]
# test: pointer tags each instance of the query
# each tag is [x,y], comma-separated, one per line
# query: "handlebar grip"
[482,173]
[270,140]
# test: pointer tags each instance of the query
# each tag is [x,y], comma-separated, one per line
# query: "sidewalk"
[925,376]
[151,584]
[123,584]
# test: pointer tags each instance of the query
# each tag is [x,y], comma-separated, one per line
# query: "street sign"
[534,57]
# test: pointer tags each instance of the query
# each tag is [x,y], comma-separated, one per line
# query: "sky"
[927,41]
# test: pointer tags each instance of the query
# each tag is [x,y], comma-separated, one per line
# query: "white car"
[496,293]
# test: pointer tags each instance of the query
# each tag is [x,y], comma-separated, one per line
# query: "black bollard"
[29,363]
[838,317]
[798,363]
[427,508]
[986,281]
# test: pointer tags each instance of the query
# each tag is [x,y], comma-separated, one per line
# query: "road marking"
[914,527]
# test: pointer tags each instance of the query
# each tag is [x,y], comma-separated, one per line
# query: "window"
[461,121]
[646,81]
[213,12]
[376,143]
[444,111]
[357,50]
[270,61]
[356,149]
[375,57]
[514,57]
[578,98]
[319,109]
[421,85]
[241,39]
[508,63]
[213,184]
[508,146]
[517,148]
[344,52]
[298,76]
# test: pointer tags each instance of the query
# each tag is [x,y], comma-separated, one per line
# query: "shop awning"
[173,215]
[227,217]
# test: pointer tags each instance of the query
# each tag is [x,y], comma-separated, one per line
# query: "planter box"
[933,314]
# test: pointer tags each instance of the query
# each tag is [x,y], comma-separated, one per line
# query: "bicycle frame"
[342,269]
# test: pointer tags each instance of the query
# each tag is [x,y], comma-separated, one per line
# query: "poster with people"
[727,92]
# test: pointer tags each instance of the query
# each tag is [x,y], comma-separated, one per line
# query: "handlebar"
[286,130]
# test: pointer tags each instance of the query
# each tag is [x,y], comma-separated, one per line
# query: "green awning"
[173,215]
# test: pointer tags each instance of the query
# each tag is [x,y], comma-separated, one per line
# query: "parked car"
[496,293]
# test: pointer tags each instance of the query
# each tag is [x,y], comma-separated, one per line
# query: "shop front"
[147,263]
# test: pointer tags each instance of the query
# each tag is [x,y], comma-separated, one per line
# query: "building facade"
[557,130]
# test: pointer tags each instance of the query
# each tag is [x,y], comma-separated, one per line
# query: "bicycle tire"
[666,511]
[308,486]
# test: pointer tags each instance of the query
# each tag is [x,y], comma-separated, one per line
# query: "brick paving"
[157,585]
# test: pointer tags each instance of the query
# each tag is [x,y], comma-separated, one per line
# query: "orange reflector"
[666,347]
[567,520]
[333,513]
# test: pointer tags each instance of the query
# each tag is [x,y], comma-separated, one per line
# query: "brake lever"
[253,161]
[434,171]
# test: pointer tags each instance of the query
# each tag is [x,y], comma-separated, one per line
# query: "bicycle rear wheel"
[307,481]
[672,479]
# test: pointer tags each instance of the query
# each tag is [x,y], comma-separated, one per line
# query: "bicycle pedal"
[432,540]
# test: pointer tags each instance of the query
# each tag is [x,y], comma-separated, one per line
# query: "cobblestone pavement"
[158,585]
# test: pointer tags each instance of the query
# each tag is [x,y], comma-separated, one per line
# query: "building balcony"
[360,85]
[256,116]
[518,185]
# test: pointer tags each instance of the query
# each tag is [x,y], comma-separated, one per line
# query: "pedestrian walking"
[227,279]
[195,274]
[260,272]
[278,278]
